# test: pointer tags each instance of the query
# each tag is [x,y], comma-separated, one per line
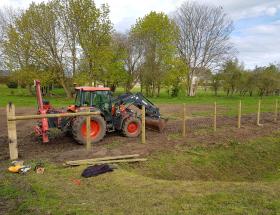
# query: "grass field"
[20,98]
[228,176]
[242,178]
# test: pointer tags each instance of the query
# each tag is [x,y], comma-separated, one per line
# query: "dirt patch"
[199,133]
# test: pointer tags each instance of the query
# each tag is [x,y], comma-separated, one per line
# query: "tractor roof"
[93,88]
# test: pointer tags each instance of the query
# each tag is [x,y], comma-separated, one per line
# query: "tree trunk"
[66,88]
[29,88]
[158,90]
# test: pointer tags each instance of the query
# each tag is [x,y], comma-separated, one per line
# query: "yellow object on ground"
[14,169]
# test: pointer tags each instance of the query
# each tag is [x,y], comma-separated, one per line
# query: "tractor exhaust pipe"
[156,124]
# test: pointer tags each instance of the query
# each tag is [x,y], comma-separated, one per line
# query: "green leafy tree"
[94,30]
[216,82]
[268,80]
[156,34]
[231,75]
[174,79]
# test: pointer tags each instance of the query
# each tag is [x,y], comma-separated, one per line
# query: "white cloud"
[17,3]
[258,45]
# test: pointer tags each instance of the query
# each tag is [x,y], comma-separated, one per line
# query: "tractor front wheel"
[132,127]
[97,129]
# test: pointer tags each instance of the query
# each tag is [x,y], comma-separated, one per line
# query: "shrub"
[175,91]
[12,84]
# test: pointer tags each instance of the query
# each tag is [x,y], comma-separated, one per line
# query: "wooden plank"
[106,162]
[215,117]
[88,141]
[12,132]
[184,120]
[143,135]
[27,117]
[239,115]
[104,158]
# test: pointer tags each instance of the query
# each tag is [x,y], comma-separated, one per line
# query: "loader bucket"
[156,124]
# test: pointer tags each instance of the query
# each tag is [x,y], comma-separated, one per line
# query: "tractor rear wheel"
[131,127]
[97,132]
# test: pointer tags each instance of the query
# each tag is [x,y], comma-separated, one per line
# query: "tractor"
[116,114]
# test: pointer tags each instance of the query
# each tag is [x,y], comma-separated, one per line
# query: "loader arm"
[139,100]
[153,116]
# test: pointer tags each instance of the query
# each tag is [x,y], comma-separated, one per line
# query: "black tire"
[79,129]
[131,127]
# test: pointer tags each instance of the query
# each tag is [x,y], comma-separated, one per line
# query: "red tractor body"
[116,114]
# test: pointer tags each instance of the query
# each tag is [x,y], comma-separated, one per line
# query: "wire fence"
[238,114]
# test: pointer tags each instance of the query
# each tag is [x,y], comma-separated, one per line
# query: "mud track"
[199,133]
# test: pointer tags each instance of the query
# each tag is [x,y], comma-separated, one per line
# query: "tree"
[69,30]
[47,41]
[204,37]
[268,79]
[17,50]
[133,57]
[175,76]
[231,75]
[156,34]
[216,82]
[94,30]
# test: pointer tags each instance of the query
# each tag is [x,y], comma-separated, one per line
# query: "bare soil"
[199,133]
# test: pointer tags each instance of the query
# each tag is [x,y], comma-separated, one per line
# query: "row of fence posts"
[239,114]
[12,118]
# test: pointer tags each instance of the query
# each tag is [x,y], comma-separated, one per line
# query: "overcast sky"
[257,22]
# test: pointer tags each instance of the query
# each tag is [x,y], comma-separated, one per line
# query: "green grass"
[256,160]
[238,179]
[226,104]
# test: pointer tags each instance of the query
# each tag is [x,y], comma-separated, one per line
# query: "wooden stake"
[143,136]
[12,132]
[259,113]
[184,120]
[239,115]
[215,116]
[276,110]
[88,142]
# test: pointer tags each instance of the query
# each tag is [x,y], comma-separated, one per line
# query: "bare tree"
[133,57]
[204,37]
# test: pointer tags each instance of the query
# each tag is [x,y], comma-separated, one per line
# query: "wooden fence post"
[12,132]
[276,110]
[239,115]
[259,113]
[184,120]
[215,116]
[143,136]
[88,142]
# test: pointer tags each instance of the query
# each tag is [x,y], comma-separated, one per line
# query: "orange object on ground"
[14,169]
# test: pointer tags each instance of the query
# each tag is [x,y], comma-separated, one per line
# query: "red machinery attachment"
[42,109]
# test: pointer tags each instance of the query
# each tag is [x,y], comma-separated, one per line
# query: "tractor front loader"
[116,114]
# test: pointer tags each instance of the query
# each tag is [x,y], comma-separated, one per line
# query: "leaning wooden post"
[239,115]
[215,116]
[12,132]
[259,113]
[143,136]
[184,120]
[88,142]
[276,110]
